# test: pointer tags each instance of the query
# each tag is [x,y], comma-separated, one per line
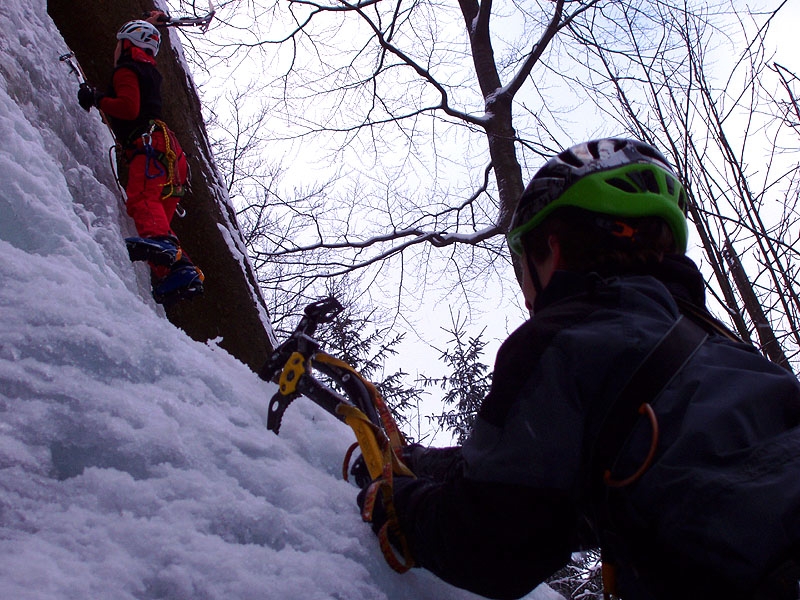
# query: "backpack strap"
[650,378]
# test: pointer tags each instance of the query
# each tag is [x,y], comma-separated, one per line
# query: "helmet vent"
[650,152]
[568,157]
[646,180]
[624,185]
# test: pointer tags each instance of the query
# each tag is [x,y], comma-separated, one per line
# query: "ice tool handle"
[74,68]
[202,21]
[377,434]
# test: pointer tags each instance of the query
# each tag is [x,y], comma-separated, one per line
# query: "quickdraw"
[362,408]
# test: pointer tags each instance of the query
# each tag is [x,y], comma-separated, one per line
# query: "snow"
[134,462]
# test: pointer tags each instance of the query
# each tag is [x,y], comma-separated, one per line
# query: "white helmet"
[141,34]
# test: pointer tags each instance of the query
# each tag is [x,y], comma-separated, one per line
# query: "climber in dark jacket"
[622,415]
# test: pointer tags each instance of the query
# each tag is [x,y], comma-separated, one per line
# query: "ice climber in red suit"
[157,170]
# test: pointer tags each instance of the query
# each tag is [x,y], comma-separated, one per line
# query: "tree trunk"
[232,308]
[769,343]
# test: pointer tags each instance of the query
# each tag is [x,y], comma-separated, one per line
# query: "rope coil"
[168,158]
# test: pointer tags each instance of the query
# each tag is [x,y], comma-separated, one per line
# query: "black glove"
[408,454]
[88,96]
[399,484]
[360,473]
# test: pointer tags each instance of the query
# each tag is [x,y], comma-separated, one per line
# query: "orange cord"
[645,408]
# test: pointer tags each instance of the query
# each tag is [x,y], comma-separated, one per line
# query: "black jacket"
[127,131]
[718,508]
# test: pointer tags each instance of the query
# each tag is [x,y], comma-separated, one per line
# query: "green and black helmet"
[619,177]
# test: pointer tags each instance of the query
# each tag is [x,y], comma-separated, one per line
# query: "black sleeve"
[440,464]
[496,540]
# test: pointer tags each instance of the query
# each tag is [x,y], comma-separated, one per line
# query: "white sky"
[135,462]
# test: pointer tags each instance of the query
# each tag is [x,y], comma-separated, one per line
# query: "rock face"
[232,309]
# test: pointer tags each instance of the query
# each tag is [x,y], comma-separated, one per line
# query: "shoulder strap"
[654,373]
[650,378]
[702,318]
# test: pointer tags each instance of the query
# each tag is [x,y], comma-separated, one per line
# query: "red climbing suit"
[151,203]
[157,169]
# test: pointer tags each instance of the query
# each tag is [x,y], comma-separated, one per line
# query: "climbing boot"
[183,282]
[160,250]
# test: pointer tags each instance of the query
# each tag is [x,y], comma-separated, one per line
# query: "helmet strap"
[534,275]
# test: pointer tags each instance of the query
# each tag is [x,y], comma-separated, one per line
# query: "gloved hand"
[155,17]
[88,96]
[388,527]
[378,512]
[360,473]
[408,455]
[379,517]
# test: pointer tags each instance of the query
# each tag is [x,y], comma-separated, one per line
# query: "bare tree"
[728,135]
[414,113]
[415,105]
[434,117]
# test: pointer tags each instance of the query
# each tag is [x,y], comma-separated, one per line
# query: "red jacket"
[134,98]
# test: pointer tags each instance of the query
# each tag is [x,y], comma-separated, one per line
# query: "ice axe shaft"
[73,68]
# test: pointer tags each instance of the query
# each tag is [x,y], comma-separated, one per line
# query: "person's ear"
[555,250]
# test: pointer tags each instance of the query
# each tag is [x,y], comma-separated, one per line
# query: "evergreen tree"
[581,579]
[356,335]
[466,385]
